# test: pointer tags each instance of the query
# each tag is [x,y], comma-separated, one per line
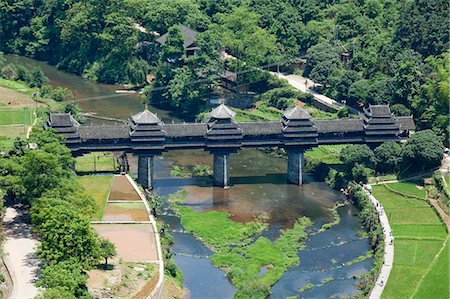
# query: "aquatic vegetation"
[336,217]
[179,172]
[202,169]
[241,256]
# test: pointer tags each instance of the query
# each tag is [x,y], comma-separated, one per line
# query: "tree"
[56,293]
[37,77]
[137,71]
[66,275]
[173,49]
[107,250]
[242,37]
[361,173]
[423,26]
[66,235]
[359,92]
[388,157]
[423,151]
[357,153]
[400,110]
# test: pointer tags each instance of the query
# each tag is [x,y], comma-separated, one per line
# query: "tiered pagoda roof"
[64,124]
[146,131]
[379,124]
[298,128]
[222,130]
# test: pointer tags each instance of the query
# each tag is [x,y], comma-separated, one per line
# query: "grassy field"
[239,255]
[17,86]
[435,283]
[21,116]
[419,239]
[328,154]
[96,162]
[410,188]
[98,187]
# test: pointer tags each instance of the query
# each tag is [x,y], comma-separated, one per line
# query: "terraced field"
[420,266]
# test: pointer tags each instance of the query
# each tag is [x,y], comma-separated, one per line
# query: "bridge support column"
[145,171]
[295,166]
[221,169]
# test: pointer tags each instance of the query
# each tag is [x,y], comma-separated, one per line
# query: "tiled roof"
[104,132]
[182,130]
[379,110]
[405,123]
[222,112]
[339,125]
[145,117]
[296,113]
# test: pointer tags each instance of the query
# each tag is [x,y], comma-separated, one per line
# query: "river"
[258,186]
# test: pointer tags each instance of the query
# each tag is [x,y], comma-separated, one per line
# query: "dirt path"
[441,212]
[20,253]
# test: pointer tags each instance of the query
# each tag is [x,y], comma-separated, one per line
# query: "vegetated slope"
[368,52]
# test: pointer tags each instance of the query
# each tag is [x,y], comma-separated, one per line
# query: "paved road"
[388,250]
[20,254]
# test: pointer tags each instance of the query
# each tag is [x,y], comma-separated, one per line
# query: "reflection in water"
[258,186]
[120,106]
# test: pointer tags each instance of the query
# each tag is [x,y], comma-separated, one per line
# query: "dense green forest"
[397,50]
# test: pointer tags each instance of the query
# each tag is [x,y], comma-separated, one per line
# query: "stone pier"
[221,169]
[295,166]
[145,171]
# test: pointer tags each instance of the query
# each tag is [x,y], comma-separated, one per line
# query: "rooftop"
[297,113]
[145,117]
[222,112]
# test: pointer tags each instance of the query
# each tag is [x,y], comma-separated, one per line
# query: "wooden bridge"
[146,136]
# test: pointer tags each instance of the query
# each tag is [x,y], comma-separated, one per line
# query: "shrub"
[23,73]
[9,72]
[60,94]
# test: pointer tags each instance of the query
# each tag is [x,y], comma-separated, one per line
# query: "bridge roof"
[145,117]
[339,125]
[379,110]
[261,128]
[297,113]
[62,120]
[222,112]
[181,130]
[104,132]
[406,122]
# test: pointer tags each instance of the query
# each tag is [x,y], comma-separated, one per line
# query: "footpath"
[20,253]
[304,84]
[388,249]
